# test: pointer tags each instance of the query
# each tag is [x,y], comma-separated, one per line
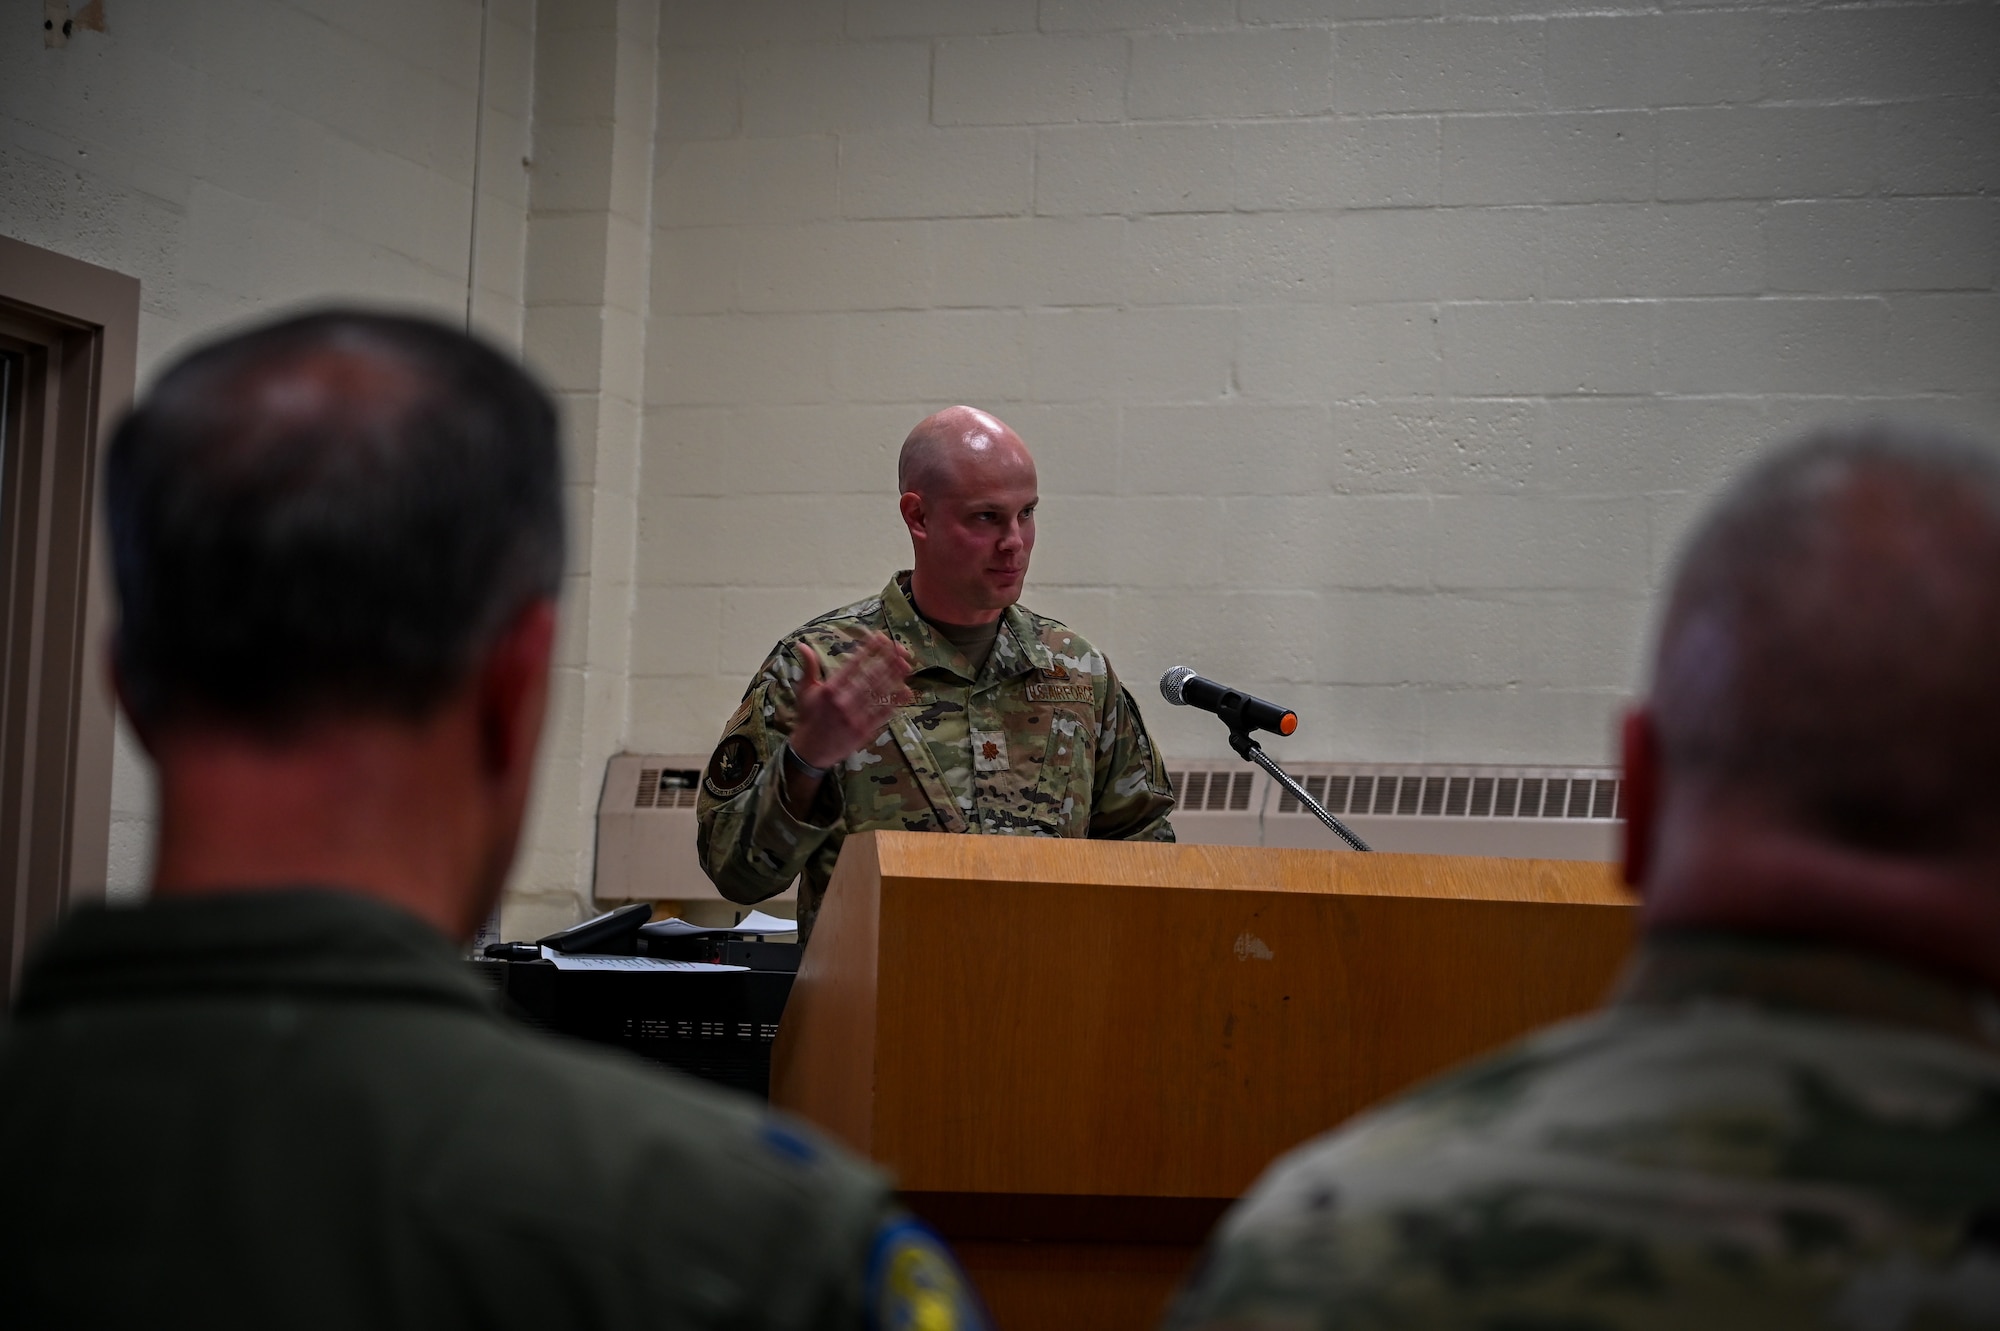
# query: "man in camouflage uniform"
[1789,1115]
[938,706]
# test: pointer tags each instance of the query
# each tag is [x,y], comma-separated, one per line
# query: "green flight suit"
[1042,740]
[301,1109]
[1755,1134]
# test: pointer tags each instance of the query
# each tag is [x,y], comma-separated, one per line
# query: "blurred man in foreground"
[272,1095]
[940,705]
[1790,1113]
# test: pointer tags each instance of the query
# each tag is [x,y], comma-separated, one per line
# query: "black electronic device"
[716,1025]
[614,933]
[727,950]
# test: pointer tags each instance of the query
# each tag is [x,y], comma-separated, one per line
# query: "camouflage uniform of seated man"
[1789,1113]
[938,706]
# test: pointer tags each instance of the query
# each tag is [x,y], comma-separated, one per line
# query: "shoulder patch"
[914,1283]
[732,767]
[737,717]
[782,1141]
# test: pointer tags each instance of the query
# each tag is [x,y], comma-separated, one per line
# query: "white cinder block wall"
[1374,355]
[242,158]
[588,246]
[1375,352]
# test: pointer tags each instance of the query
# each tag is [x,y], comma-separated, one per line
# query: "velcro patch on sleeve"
[732,767]
[1073,692]
[914,1283]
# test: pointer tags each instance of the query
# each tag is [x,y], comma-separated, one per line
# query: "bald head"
[943,443]
[1828,650]
[968,499]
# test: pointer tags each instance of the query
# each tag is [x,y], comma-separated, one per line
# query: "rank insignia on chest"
[989,750]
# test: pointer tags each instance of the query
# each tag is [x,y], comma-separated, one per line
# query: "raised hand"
[841,713]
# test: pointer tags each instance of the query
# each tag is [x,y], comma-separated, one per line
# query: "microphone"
[1183,688]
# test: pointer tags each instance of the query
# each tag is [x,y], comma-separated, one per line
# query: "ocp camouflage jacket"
[1755,1134]
[1042,741]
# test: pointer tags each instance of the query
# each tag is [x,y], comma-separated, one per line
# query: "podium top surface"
[975,859]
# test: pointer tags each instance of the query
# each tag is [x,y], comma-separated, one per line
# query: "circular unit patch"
[733,766]
[914,1285]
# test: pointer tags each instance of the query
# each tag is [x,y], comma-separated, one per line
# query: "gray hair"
[1831,640]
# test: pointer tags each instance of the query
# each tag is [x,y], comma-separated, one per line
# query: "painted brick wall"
[588,248]
[1375,352]
[238,158]
[1374,355]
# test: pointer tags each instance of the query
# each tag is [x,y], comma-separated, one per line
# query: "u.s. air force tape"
[915,1285]
[1056,684]
[733,766]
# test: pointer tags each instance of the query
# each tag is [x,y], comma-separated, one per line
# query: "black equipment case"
[717,1025]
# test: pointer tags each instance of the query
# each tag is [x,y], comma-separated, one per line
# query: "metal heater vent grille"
[1212,792]
[646,835]
[665,788]
[1593,794]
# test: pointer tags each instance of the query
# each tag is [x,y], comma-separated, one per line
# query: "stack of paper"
[756,922]
[586,961]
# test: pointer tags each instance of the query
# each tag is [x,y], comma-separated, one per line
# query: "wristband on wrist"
[792,756]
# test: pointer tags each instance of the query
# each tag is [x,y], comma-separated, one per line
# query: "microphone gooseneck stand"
[1243,714]
[1251,751]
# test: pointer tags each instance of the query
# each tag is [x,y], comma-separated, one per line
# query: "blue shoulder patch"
[783,1141]
[914,1283]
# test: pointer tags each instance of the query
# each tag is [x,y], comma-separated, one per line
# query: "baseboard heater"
[645,816]
[1555,813]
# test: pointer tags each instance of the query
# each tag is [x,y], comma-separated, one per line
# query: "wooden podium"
[1073,1055]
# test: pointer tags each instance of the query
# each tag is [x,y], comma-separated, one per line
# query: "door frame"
[75,326]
